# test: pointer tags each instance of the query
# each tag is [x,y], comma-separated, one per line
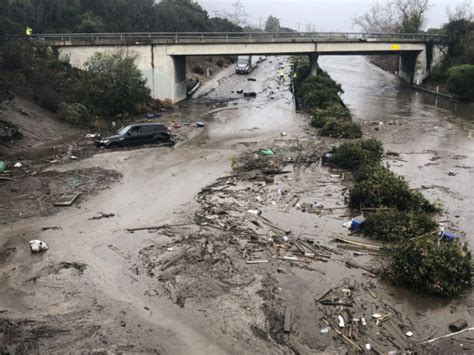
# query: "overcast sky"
[321,15]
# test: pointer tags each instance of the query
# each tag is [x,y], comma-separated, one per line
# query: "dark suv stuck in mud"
[137,134]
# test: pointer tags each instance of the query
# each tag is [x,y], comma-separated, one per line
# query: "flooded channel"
[433,135]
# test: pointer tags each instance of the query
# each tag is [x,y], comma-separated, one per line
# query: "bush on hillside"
[336,128]
[461,81]
[357,154]
[74,113]
[197,69]
[393,225]
[112,84]
[428,266]
[377,186]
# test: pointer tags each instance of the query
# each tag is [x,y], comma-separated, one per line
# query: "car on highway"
[137,134]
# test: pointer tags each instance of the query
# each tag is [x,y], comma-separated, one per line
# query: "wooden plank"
[66,199]
[287,325]
[365,245]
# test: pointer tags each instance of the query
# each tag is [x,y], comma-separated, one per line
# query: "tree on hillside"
[460,32]
[405,16]
[272,24]
[112,84]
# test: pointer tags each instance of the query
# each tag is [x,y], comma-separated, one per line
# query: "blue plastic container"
[357,223]
[447,236]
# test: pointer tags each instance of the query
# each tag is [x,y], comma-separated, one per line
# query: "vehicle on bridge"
[245,64]
[137,134]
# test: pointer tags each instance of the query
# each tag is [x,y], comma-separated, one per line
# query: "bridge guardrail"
[228,37]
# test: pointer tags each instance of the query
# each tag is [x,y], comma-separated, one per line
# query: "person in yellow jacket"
[29,31]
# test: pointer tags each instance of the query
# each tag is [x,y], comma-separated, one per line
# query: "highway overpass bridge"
[161,57]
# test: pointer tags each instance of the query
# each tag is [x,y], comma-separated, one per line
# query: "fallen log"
[446,336]
[131,230]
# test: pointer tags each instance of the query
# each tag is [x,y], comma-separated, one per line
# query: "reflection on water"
[434,135]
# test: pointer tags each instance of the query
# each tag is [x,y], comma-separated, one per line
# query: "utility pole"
[299,26]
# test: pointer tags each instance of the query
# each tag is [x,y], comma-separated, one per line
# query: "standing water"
[433,136]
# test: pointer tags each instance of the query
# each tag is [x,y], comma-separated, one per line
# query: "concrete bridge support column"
[313,63]
[165,74]
[413,67]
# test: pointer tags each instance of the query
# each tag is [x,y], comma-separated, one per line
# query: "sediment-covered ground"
[184,254]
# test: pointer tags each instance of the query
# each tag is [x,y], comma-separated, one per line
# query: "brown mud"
[201,273]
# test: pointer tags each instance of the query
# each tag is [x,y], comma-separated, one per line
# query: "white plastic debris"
[255,212]
[340,321]
[92,135]
[283,134]
[18,165]
[73,157]
[376,315]
[363,321]
[347,224]
[409,334]
[38,246]
[324,330]
[367,346]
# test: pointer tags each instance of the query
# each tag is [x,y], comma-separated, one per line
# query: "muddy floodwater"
[185,285]
[433,135]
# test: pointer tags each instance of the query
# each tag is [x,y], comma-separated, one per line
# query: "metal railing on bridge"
[239,37]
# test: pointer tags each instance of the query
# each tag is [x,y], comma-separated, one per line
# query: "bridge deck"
[233,37]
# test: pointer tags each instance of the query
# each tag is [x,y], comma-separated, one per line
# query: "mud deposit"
[210,248]
[33,195]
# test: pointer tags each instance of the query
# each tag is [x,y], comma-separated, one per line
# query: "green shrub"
[461,81]
[377,186]
[319,91]
[341,129]
[393,225]
[357,154]
[428,266]
[74,113]
[320,116]
[220,62]
[112,84]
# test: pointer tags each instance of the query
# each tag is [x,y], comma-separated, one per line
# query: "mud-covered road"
[100,287]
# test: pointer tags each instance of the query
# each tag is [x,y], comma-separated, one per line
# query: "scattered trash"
[357,223]
[340,322]
[200,124]
[92,135]
[251,79]
[102,215]
[283,134]
[152,115]
[324,330]
[73,157]
[67,199]
[3,166]
[265,152]
[458,325]
[176,125]
[38,246]
[255,212]
[18,165]
[250,94]
[240,91]
[367,346]
[447,236]
[326,158]
[409,334]
[452,173]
